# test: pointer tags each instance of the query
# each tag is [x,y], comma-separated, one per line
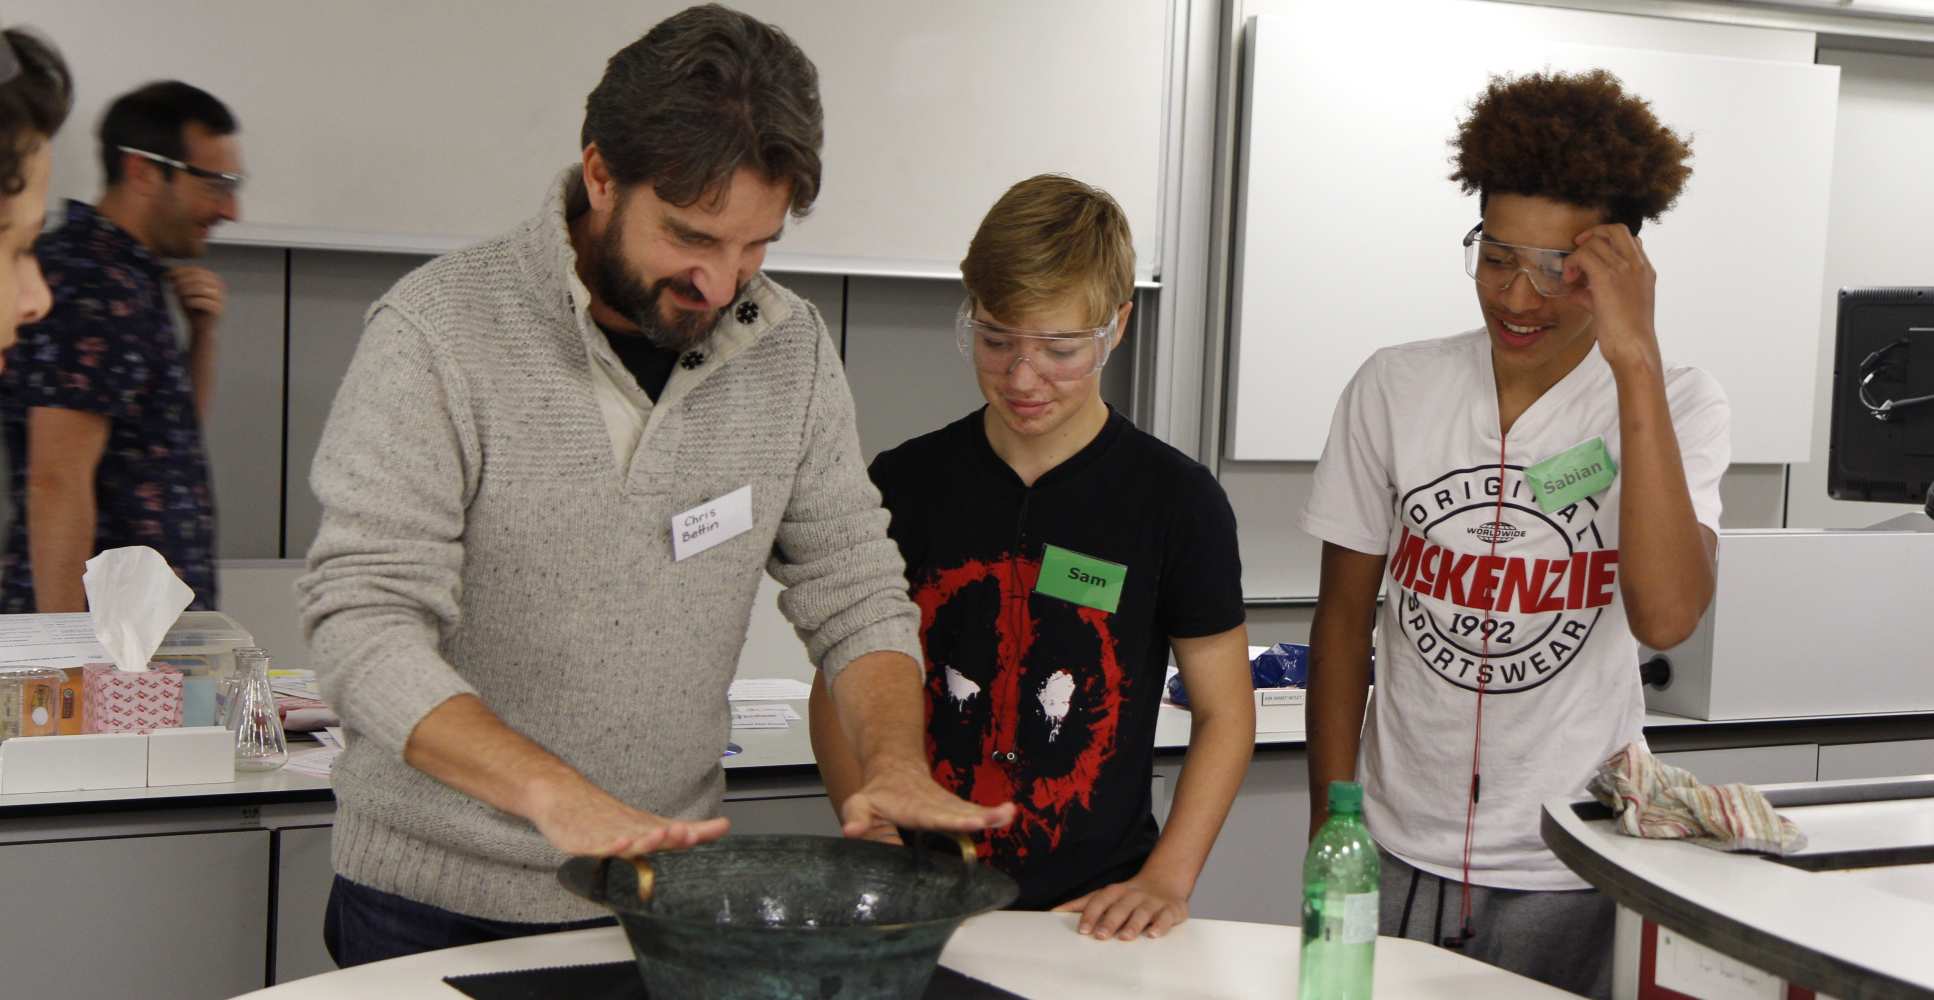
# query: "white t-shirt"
[1411,471]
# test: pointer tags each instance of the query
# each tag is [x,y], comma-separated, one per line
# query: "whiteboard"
[422,125]
[1344,165]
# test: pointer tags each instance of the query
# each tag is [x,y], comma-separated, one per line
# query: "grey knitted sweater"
[478,537]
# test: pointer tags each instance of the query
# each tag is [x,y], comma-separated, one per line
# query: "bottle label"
[1360,917]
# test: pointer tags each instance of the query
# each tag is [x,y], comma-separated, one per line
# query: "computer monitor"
[1882,442]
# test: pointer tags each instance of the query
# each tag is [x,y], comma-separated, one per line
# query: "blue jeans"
[368,925]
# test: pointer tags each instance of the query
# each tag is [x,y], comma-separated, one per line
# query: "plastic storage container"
[29,701]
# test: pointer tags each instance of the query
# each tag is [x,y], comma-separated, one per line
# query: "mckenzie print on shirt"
[1486,588]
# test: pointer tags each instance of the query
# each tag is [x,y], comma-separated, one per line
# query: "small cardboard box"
[195,755]
[1280,710]
[73,763]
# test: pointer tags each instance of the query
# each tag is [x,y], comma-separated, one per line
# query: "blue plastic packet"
[1286,664]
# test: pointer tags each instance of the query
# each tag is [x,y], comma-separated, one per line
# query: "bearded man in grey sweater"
[551,481]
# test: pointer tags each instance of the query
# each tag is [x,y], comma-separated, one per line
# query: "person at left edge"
[526,666]
[1058,554]
[36,93]
[103,408]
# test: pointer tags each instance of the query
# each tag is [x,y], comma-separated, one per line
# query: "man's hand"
[1128,909]
[902,793]
[203,295]
[1620,285]
[580,818]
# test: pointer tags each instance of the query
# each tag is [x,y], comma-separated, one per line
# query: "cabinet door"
[329,292]
[303,873]
[1887,759]
[1752,765]
[1255,872]
[244,428]
[161,917]
[791,814]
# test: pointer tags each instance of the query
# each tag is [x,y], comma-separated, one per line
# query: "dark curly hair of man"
[1578,138]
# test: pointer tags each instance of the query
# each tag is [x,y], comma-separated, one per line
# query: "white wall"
[443,120]
[1878,234]
[1880,231]
[1348,226]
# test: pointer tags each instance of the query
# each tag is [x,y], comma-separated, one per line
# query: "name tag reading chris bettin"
[1572,475]
[710,523]
[1078,579]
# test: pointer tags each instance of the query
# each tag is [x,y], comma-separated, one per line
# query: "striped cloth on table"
[1654,799]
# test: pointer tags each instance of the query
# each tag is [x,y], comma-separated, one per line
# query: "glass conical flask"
[259,742]
[228,694]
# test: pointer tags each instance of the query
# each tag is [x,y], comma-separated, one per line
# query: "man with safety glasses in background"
[102,408]
[1057,554]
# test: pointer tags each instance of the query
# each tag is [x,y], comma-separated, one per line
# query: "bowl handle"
[948,841]
[646,877]
[589,877]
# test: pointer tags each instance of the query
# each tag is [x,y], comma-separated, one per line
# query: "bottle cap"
[1346,796]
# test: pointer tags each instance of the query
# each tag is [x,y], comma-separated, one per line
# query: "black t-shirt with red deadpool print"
[1046,701]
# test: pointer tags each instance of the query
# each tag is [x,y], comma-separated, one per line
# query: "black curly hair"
[1579,138]
[33,103]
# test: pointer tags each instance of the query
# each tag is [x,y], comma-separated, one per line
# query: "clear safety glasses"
[1496,265]
[1055,355]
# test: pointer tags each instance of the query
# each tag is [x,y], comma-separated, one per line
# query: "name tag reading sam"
[1078,579]
[708,524]
[1571,475]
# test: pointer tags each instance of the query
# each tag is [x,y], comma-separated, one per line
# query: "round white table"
[1032,954]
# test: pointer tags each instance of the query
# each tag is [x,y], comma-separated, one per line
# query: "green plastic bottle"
[1340,878]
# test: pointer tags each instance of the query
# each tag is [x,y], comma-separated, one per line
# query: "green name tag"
[1572,475]
[1078,579]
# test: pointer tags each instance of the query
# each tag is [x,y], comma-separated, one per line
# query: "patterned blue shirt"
[109,346]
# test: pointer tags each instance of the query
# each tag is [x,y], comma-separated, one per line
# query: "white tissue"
[134,599]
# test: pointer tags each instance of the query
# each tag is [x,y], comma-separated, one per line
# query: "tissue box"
[116,701]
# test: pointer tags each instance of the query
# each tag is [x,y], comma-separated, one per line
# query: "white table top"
[1033,954]
[1878,921]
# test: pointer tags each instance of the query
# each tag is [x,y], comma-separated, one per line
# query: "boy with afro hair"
[1538,495]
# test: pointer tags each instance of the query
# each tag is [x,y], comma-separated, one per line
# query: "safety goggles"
[1496,265]
[223,183]
[1055,355]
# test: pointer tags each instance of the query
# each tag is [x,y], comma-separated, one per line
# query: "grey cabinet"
[244,426]
[303,874]
[788,814]
[1255,871]
[1751,765]
[157,917]
[907,376]
[1887,759]
[328,294]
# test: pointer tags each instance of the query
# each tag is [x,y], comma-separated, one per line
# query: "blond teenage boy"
[1058,555]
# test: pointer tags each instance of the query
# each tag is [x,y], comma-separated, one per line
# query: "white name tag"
[1275,697]
[708,524]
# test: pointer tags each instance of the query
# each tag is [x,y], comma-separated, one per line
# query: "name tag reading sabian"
[1078,579]
[708,524]
[1572,475]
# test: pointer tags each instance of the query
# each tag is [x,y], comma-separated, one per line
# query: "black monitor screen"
[1882,443]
